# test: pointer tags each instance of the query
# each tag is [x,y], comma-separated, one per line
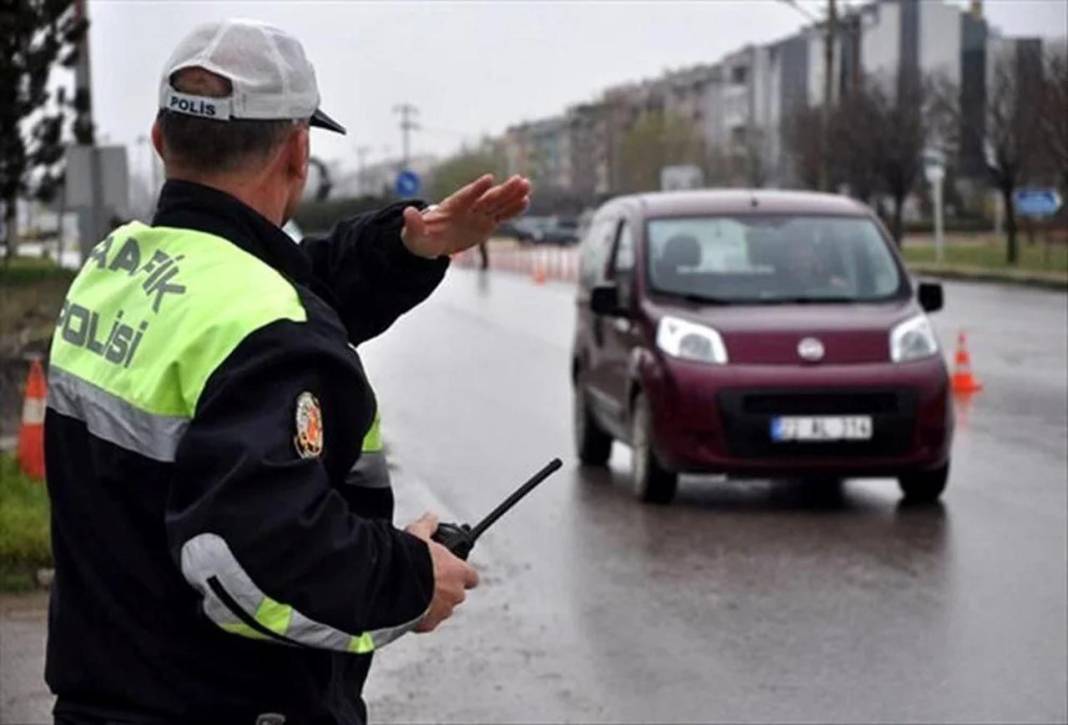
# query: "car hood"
[771,334]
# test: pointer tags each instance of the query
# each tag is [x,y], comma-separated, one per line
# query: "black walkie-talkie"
[461,538]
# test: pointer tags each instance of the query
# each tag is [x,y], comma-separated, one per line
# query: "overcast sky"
[472,68]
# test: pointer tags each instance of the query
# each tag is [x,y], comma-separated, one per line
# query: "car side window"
[621,270]
[595,251]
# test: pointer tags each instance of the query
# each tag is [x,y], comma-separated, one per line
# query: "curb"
[1039,280]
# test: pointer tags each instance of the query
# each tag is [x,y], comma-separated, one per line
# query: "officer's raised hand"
[466,218]
[451,575]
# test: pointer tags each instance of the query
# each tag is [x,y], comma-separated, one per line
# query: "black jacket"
[134,636]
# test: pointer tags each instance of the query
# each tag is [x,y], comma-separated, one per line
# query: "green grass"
[31,293]
[987,253]
[27,270]
[24,527]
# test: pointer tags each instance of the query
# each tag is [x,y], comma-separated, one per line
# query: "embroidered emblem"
[309,437]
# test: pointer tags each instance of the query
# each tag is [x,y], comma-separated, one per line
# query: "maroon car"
[756,334]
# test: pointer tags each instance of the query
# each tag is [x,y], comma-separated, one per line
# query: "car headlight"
[913,339]
[690,341]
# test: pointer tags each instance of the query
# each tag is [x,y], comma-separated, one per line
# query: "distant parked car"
[529,228]
[757,334]
[561,231]
[514,230]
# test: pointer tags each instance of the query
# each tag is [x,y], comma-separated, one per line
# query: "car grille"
[747,418]
[809,403]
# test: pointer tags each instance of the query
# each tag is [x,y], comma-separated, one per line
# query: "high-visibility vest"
[145,387]
[132,364]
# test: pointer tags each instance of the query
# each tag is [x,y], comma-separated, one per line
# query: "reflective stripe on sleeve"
[113,419]
[234,602]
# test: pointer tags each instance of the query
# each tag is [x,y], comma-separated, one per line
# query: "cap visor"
[321,120]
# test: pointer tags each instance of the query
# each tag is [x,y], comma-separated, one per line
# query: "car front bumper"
[718,418]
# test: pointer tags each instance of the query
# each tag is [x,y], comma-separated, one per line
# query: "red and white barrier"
[540,263]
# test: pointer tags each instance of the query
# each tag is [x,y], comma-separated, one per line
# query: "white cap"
[271,78]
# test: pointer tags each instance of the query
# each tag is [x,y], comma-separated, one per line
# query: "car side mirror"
[604,300]
[930,296]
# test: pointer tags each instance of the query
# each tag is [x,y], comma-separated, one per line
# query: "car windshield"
[771,259]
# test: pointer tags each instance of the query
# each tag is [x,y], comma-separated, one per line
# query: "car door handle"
[622,324]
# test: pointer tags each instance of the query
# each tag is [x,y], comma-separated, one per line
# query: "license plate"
[821,428]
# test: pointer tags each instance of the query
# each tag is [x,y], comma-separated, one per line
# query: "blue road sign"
[407,184]
[1037,202]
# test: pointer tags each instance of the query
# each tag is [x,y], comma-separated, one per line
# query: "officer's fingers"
[470,576]
[424,526]
[414,224]
[432,619]
[513,210]
[503,195]
[467,195]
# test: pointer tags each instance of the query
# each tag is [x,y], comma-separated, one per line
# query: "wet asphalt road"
[742,601]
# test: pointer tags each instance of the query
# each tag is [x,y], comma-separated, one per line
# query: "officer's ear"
[298,150]
[157,138]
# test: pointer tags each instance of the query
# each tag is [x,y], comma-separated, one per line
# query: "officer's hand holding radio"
[451,574]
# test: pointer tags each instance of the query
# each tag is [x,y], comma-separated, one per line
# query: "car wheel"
[592,444]
[925,486]
[652,482]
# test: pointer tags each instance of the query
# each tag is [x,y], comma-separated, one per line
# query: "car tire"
[926,486]
[592,444]
[652,482]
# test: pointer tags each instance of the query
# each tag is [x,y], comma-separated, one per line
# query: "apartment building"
[741,102]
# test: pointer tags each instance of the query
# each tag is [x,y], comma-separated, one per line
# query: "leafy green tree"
[656,140]
[35,37]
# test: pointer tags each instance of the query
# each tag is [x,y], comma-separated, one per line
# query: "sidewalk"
[24,697]
[1027,278]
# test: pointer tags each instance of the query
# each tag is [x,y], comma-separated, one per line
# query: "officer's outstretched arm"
[372,276]
[252,520]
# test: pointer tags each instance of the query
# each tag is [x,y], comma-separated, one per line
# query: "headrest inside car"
[682,250]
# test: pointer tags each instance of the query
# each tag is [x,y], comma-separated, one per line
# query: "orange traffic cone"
[963,380]
[538,270]
[31,433]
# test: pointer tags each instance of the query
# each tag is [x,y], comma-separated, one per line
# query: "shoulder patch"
[309,420]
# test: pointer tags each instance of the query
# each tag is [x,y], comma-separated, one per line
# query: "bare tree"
[756,163]
[802,137]
[1054,113]
[858,129]
[656,140]
[1013,133]
[463,168]
[901,129]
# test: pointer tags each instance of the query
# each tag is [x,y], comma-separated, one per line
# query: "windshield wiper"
[701,299]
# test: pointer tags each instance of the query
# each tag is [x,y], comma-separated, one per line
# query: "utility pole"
[828,92]
[406,111]
[91,225]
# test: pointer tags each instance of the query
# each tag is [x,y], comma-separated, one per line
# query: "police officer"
[206,404]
